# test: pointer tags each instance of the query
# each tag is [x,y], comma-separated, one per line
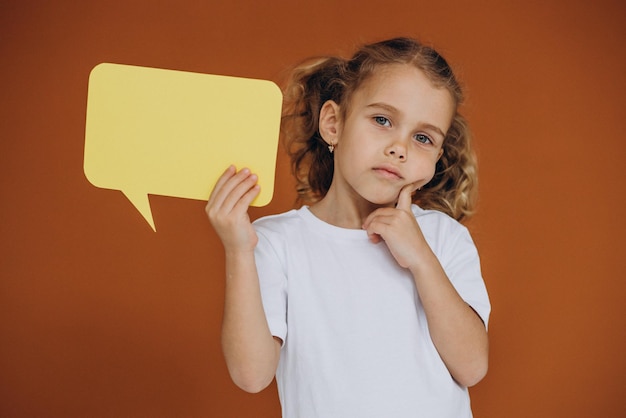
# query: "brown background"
[101,317]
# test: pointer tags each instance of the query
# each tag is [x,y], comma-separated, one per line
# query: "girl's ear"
[329,122]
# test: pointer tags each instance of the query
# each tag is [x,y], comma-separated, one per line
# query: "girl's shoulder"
[282,230]
[278,222]
[439,228]
[435,217]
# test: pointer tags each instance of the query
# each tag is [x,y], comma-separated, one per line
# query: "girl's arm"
[250,350]
[456,330]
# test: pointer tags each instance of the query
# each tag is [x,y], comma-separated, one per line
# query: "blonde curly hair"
[452,190]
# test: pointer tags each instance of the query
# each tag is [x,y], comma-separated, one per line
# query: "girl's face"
[392,135]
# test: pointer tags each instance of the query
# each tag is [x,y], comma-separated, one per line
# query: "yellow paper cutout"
[173,133]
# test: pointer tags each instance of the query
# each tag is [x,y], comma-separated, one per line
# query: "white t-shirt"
[356,340]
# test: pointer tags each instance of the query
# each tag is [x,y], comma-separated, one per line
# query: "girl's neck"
[343,211]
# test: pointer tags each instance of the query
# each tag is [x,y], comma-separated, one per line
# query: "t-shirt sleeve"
[273,283]
[462,266]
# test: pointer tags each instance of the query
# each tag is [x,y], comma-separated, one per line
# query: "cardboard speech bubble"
[172,133]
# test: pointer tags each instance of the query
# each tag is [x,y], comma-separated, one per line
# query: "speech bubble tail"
[141,202]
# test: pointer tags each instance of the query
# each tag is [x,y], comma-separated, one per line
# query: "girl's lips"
[388,172]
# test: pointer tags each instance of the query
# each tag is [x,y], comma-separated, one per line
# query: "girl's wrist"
[424,263]
[239,254]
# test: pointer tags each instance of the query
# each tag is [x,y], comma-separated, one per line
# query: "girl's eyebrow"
[392,109]
[389,108]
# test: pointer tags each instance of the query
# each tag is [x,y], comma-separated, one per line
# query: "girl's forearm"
[250,351]
[456,330]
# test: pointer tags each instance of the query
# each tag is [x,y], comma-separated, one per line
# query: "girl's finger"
[405,197]
[226,175]
[232,181]
[378,213]
[375,238]
[240,186]
[376,228]
[248,197]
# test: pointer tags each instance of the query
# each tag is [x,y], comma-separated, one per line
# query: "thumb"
[404,199]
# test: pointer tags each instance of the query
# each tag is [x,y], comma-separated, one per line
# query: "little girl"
[368,302]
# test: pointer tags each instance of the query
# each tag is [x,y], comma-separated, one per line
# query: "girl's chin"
[374,197]
[382,201]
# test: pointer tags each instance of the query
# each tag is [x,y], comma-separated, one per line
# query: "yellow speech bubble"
[172,133]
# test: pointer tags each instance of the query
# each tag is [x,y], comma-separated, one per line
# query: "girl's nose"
[397,150]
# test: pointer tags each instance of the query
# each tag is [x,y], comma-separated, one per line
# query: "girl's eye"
[424,139]
[381,120]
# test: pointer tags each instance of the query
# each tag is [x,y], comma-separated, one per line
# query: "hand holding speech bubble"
[173,133]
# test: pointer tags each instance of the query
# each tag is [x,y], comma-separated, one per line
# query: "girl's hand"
[227,209]
[398,228]
[456,330]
